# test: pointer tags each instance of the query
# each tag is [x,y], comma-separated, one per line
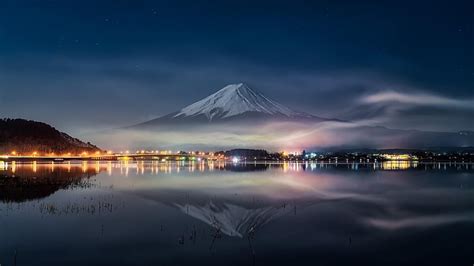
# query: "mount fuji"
[237,116]
[231,103]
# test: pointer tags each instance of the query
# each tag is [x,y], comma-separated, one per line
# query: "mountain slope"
[231,103]
[24,136]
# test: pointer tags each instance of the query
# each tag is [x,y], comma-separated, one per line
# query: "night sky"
[92,65]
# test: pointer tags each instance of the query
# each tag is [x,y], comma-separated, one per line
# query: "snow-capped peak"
[232,100]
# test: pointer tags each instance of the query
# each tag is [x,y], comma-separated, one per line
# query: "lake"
[154,213]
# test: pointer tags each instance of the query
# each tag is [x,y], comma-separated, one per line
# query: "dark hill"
[25,136]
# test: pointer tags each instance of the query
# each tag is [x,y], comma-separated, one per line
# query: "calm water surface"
[149,213]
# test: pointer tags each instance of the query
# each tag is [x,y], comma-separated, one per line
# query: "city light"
[398,157]
[200,156]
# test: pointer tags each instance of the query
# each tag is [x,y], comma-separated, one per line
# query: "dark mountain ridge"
[25,136]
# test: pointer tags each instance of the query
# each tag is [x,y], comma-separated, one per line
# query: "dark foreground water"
[146,213]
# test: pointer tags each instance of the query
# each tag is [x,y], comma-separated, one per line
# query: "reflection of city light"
[109,168]
[126,168]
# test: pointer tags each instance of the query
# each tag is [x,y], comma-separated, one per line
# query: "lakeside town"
[465,155]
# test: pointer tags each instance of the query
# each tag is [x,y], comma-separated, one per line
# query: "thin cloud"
[422,221]
[416,99]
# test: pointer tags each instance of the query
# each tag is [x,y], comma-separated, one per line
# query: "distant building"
[399,157]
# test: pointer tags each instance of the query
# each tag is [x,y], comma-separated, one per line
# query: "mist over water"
[275,136]
[152,213]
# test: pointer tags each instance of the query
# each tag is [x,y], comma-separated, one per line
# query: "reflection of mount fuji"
[231,219]
[235,215]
